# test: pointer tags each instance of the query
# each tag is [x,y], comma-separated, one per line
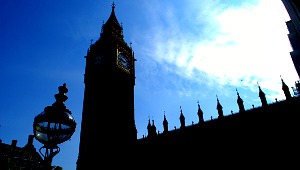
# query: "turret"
[200,114]
[151,129]
[165,124]
[240,102]
[286,90]
[182,119]
[262,97]
[220,109]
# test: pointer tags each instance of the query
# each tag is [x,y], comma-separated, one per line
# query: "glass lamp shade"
[53,126]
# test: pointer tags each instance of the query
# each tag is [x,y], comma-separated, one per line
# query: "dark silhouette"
[293,26]
[200,114]
[14,157]
[109,117]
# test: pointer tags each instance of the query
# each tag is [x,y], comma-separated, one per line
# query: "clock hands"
[123,61]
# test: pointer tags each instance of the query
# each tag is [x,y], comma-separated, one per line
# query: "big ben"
[108,105]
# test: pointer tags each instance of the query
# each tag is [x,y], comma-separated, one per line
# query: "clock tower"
[108,106]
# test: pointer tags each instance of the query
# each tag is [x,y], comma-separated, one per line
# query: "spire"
[149,125]
[182,119]
[149,128]
[285,89]
[219,108]
[112,24]
[113,5]
[165,124]
[112,18]
[240,102]
[153,126]
[200,113]
[262,96]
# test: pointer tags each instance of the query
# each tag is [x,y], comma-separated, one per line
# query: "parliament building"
[108,132]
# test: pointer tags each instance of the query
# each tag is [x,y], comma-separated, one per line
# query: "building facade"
[14,157]
[293,26]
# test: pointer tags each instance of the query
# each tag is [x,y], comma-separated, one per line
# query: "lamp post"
[53,126]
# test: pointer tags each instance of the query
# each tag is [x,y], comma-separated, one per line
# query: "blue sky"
[186,52]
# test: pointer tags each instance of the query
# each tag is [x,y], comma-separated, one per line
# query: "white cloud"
[247,42]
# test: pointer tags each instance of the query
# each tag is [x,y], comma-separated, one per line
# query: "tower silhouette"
[108,106]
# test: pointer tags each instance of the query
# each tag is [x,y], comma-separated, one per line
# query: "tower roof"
[112,20]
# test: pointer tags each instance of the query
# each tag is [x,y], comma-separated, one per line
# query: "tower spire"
[182,119]
[285,89]
[113,5]
[262,96]
[240,102]
[219,108]
[112,21]
[165,124]
[200,113]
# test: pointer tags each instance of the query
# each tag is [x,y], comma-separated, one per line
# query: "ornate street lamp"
[53,126]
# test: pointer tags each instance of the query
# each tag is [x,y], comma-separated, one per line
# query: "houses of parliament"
[258,135]
[110,67]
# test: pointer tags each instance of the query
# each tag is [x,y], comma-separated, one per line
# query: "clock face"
[98,60]
[123,61]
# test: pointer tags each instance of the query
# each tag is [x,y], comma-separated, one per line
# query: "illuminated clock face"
[123,61]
